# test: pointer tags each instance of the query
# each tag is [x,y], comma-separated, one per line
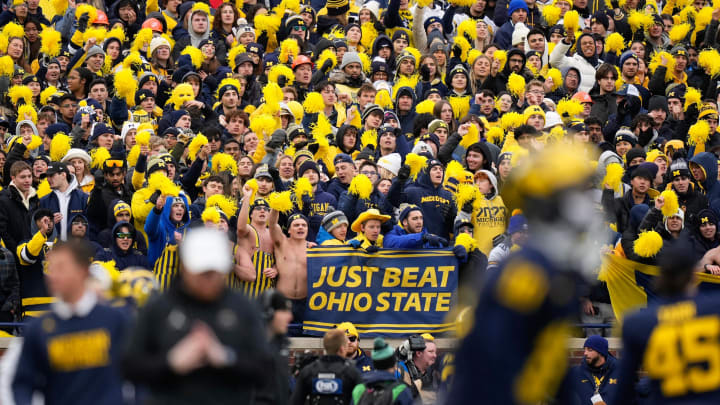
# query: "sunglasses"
[114,163]
[262,208]
[213,138]
[123,235]
[352,338]
[300,28]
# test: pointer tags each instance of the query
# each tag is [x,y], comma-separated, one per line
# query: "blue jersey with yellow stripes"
[516,353]
[677,343]
[36,299]
[167,266]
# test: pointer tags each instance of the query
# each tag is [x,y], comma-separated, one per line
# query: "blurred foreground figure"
[71,353]
[516,351]
[199,342]
[676,340]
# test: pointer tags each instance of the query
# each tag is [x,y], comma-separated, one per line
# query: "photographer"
[417,355]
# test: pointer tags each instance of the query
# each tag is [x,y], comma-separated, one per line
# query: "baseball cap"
[57,167]
[216,254]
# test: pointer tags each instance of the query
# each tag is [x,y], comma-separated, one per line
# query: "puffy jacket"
[587,71]
[15,218]
[437,204]
[583,378]
[124,259]
[161,230]
[710,185]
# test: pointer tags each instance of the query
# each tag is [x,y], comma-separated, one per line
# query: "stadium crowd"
[283,126]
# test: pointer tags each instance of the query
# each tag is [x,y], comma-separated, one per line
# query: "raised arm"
[276,233]
[242,228]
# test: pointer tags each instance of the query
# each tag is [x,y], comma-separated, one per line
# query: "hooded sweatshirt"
[437,204]
[710,186]
[124,259]
[69,203]
[160,229]
[490,219]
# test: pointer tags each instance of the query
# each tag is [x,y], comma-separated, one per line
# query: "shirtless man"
[291,255]
[710,262]
[254,269]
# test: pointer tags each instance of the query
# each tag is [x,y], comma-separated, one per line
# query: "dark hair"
[98,81]
[437,110]
[535,31]
[88,76]
[214,178]
[366,87]
[487,93]
[492,45]
[42,213]
[325,83]
[593,121]
[603,71]
[253,10]
[237,114]
[217,21]
[421,122]
[525,129]
[639,119]
[79,249]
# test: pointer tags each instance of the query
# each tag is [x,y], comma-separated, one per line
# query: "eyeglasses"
[367,173]
[123,235]
[69,105]
[352,338]
[114,163]
[213,138]
[262,208]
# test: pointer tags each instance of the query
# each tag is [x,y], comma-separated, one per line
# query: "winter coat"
[15,218]
[353,206]
[100,199]
[603,105]
[161,230]
[437,204]
[618,209]
[76,205]
[124,259]
[399,238]
[583,377]
[587,71]
[710,185]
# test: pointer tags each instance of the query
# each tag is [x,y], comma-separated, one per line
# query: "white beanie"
[390,163]
[520,33]
[76,153]
[422,146]
[157,42]
[551,119]
[127,126]
[374,8]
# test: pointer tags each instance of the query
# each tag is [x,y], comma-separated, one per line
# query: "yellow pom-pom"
[20,93]
[472,55]
[467,29]
[28,112]
[50,42]
[211,214]
[34,143]
[464,46]
[222,162]
[133,155]
[264,124]
[13,30]
[699,133]
[516,84]
[369,138]
[98,34]
[425,107]
[281,70]
[637,20]
[196,56]
[500,56]
[557,133]
[671,205]
[273,97]
[158,181]
[495,135]
[45,94]
[462,3]
[556,77]
[280,202]
[472,136]
[43,189]
[302,188]
[99,156]
[551,13]
[196,144]
[117,32]
[615,43]
[321,128]
[313,103]
[455,170]
[648,244]
[361,186]
[7,65]
[679,32]
[510,120]
[59,146]
[252,183]
[466,193]
[85,8]
[382,98]
[424,3]
[225,204]
[656,61]
[59,6]
[125,85]
[692,96]
[569,109]
[289,50]
[366,62]
[416,163]
[143,138]
[709,60]
[467,241]
[571,21]
[369,33]
[613,176]
[233,53]
[460,105]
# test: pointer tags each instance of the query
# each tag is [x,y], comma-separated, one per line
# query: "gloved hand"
[456,51]
[154,196]
[404,173]
[468,207]
[183,138]
[354,243]
[372,249]
[434,240]
[326,66]
[461,253]
[99,177]
[82,22]
[282,80]
[307,205]
[425,73]
[276,140]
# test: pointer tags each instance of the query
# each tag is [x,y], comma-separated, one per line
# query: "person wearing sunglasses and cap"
[122,251]
[362,361]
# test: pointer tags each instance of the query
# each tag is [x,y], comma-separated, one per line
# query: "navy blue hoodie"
[710,185]
[437,204]
[124,259]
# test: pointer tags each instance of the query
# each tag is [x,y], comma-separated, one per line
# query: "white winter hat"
[156,43]
[390,163]
[76,153]
[374,8]
[520,33]
[551,119]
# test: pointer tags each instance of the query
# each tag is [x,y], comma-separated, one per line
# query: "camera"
[413,344]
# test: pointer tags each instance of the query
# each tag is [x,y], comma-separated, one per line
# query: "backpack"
[379,393]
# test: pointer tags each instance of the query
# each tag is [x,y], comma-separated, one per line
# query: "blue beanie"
[597,343]
[517,223]
[100,129]
[516,5]
[431,20]
[627,55]
[407,210]
[176,115]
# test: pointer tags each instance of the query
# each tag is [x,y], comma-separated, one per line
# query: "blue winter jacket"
[437,204]
[76,205]
[399,238]
[161,230]
[352,207]
[710,185]
[584,380]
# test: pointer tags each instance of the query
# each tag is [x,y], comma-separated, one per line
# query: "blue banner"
[389,293]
